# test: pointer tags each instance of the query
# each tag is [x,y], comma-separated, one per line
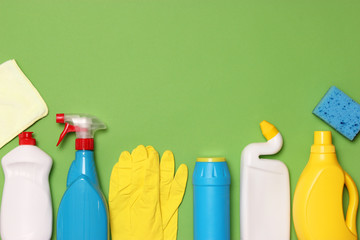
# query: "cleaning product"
[339,111]
[318,200]
[211,182]
[264,190]
[144,197]
[26,211]
[83,213]
[20,103]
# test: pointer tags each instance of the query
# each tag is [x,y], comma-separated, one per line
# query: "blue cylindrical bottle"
[211,181]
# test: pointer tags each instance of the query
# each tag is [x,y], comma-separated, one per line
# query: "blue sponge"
[340,111]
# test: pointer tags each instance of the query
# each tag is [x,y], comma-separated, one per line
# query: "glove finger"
[152,176]
[120,176]
[139,156]
[167,168]
[176,194]
[139,153]
[179,184]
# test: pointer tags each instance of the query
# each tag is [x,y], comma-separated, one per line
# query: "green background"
[195,77]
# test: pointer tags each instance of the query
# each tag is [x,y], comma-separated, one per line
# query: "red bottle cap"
[84,144]
[25,138]
[60,118]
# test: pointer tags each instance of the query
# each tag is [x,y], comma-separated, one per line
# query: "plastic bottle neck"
[84,155]
[323,158]
[84,164]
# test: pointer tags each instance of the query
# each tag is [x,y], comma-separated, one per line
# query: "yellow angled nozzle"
[268,130]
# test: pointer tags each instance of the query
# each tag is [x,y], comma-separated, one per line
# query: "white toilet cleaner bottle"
[26,210]
[264,190]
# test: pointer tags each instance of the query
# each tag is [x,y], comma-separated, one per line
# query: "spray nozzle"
[83,125]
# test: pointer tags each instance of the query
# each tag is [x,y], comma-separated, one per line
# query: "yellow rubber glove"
[171,193]
[134,202]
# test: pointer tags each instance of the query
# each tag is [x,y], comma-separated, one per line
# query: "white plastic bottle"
[26,210]
[264,190]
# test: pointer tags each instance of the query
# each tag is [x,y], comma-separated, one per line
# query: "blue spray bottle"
[83,212]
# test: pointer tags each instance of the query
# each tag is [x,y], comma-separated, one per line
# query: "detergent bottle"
[83,212]
[26,211]
[264,190]
[211,181]
[318,200]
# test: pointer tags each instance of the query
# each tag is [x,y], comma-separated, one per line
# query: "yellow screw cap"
[322,137]
[322,142]
[268,130]
[214,159]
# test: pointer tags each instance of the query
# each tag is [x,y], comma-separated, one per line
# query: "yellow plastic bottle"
[318,200]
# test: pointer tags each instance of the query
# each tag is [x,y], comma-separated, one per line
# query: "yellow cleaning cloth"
[144,196]
[20,103]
